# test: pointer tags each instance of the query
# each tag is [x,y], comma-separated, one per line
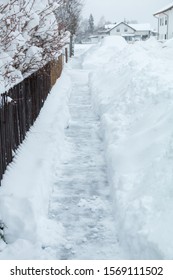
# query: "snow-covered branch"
[29,37]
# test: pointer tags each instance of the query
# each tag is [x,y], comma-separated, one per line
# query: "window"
[166,21]
[161,21]
[165,37]
[125,29]
[118,30]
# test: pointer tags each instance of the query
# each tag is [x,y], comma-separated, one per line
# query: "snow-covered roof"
[140,26]
[136,27]
[164,9]
[117,24]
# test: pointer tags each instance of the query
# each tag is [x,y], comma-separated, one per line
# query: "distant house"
[130,32]
[124,30]
[165,22]
[142,30]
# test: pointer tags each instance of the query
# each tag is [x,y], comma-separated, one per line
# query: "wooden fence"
[20,107]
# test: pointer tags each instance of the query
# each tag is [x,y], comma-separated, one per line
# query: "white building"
[142,30]
[123,30]
[130,32]
[165,22]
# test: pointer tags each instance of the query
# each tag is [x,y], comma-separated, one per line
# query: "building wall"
[143,33]
[170,26]
[122,29]
[162,26]
[165,25]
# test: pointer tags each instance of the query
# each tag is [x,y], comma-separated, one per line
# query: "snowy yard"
[93,178]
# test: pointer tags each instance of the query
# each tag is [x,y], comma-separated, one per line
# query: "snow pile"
[107,48]
[27,183]
[132,93]
[29,38]
[168,43]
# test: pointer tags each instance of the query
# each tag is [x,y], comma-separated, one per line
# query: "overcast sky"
[117,10]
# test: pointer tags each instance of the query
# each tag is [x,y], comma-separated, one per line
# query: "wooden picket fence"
[20,107]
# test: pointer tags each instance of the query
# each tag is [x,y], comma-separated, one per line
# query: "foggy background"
[118,10]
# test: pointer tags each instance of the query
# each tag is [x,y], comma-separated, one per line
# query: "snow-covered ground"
[60,198]
[132,93]
[81,199]
[64,209]
[27,183]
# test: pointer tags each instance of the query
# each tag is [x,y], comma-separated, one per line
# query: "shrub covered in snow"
[29,38]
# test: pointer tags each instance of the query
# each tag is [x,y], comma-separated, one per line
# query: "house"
[142,30]
[130,32]
[165,22]
[124,30]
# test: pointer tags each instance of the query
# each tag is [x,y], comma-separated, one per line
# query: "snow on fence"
[20,106]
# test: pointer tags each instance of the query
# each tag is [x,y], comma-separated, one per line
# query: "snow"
[63,209]
[140,26]
[33,53]
[28,39]
[26,187]
[168,44]
[81,193]
[33,22]
[101,188]
[164,9]
[107,48]
[133,97]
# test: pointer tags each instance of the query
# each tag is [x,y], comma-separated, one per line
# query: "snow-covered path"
[81,199]
[131,90]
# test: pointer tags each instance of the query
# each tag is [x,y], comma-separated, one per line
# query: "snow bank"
[27,183]
[117,42]
[107,48]
[132,94]
[168,43]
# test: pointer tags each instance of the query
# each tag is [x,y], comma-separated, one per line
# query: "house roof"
[141,26]
[123,23]
[164,9]
[135,27]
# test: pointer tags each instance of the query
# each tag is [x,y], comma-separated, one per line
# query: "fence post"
[71,48]
[66,55]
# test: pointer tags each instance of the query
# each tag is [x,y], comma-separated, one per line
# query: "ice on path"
[81,199]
